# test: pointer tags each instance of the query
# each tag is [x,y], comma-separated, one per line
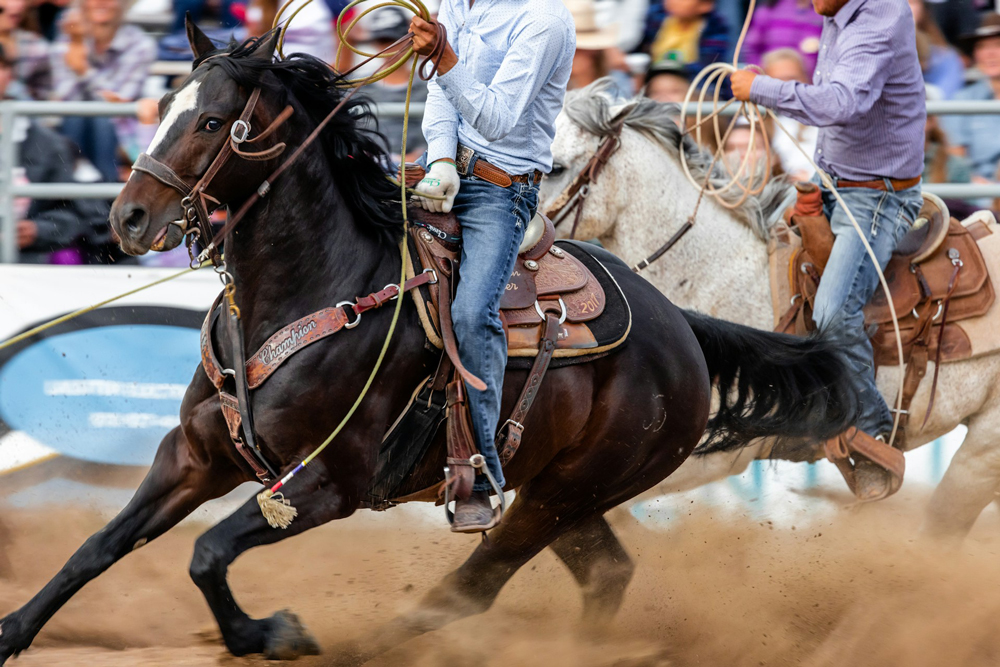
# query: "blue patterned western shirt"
[502,97]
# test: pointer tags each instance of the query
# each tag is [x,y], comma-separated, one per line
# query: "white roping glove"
[441,181]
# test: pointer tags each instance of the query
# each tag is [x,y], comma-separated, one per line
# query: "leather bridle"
[197,202]
[575,196]
[197,205]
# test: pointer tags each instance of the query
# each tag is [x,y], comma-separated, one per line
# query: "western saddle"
[548,301]
[937,277]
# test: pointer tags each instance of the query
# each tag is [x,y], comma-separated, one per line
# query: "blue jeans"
[850,279]
[493,221]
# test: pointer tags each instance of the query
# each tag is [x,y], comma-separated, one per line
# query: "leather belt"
[879,183]
[490,172]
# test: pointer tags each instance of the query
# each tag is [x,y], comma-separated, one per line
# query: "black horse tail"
[773,385]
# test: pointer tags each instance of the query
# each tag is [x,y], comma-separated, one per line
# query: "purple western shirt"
[867,95]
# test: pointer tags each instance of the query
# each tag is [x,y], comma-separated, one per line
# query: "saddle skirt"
[547,278]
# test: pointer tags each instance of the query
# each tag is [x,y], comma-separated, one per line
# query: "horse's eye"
[557,170]
[213,125]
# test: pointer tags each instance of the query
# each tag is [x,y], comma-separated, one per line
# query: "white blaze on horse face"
[184,101]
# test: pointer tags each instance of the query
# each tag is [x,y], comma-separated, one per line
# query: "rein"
[575,196]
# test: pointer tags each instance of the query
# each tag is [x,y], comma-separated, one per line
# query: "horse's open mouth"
[168,238]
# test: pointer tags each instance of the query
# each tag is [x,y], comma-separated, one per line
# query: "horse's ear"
[200,43]
[620,113]
[269,44]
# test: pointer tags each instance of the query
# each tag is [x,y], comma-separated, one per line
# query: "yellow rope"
[83,311]
[747,172]
[277,509]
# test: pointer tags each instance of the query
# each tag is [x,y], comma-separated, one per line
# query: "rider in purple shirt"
[867,98]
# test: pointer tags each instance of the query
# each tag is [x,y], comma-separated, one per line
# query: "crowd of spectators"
[88,50]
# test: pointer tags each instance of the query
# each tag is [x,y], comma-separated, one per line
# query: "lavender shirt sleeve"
[850,89]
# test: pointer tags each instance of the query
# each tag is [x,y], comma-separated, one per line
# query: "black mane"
[357,160]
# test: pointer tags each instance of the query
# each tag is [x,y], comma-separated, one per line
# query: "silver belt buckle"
[463,158]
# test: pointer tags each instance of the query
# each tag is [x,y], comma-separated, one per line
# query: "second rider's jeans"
[850,279]
[493,221]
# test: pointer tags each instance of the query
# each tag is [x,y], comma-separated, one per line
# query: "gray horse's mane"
[596,107]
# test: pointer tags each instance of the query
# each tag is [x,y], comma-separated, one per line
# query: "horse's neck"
[300,250]
[719,267]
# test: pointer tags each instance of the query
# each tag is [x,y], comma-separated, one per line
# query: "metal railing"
[10,110]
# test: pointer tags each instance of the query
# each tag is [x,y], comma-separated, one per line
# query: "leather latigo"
[289,340]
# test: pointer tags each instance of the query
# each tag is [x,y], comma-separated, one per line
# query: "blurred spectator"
[784,24]
[690,31]
[738,145]
[98,58]
[48,230]
[28,51]
[941,64]
[977,137]
[388,25]
[311,31]
[629,16]
[940,164]
[788,65]
[196,8]
[954,17]
[667,81]
[597,53]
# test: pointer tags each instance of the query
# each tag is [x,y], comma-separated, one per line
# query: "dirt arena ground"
[857,587]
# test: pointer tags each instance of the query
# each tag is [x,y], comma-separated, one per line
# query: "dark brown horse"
[600,432]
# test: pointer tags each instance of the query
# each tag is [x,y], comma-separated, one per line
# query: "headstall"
[197,205]
[575,196]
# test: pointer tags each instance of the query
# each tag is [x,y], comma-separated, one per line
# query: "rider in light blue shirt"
[502,97]
[492,109]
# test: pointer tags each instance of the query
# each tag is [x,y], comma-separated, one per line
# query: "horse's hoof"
[10,630]
[287,638]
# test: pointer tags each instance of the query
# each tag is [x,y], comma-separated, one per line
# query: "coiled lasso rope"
[746,175]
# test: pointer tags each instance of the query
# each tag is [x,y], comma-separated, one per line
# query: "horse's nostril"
[133,223]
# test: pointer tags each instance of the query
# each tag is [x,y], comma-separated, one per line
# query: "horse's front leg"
[177,483]
[282,636]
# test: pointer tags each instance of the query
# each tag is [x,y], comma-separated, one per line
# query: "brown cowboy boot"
[877,470]
[875,481]
[474,515]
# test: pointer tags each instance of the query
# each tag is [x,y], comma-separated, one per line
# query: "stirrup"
[478,462]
